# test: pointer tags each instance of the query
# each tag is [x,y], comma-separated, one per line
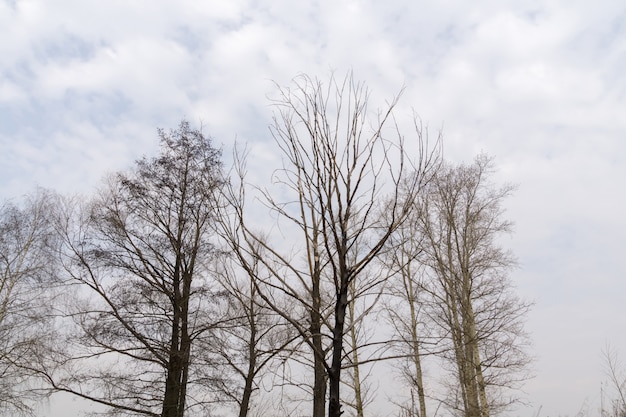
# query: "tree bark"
[416,356]
[244,407]
[334,374]
[356,380]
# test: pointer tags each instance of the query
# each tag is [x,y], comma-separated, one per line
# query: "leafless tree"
[364,348]
[342,170]
[26,292]
[476,309]
[141,254]
[404,310]
[616,385]
[254,334]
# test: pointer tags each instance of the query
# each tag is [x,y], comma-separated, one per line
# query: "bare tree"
[476,308]
[26,291]
[141,256]
[342,170]
[362,349]
[616,385]
[254,334]
[404,310]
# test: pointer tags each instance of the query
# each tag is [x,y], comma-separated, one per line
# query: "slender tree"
[474,304]
[616,385]
[254,334]
[362,350]
[404,310]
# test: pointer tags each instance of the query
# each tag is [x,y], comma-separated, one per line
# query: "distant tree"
[140,255]
[616,385]
[342,170]
[26,291]
[404,310]
[461,221]
[362,349]
[254,334]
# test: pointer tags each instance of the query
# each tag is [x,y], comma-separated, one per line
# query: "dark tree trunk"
[319,370]
[174,368]
[334,374]
[244,407]
[180,348]
[174,371]
[185,345]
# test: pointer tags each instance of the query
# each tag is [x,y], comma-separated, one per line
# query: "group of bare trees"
[27,244]
[459,302]
[173,297]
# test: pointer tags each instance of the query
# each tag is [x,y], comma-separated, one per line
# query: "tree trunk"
[319,380]
[247,394]
[416,357]
[334,374]
[185,345]
[358,395]
[172,383]
[180,347]
[319,370]
[244,406]
[476,363]
[174,369]
[470,345]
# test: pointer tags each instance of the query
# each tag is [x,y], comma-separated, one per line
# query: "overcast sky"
[540,85]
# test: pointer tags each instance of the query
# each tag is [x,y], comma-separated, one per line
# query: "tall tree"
[475,306]
[26,290]
[404,310]
[362,349]
[141,255]
[342,170]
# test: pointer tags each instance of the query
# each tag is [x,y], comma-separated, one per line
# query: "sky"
[539,85]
